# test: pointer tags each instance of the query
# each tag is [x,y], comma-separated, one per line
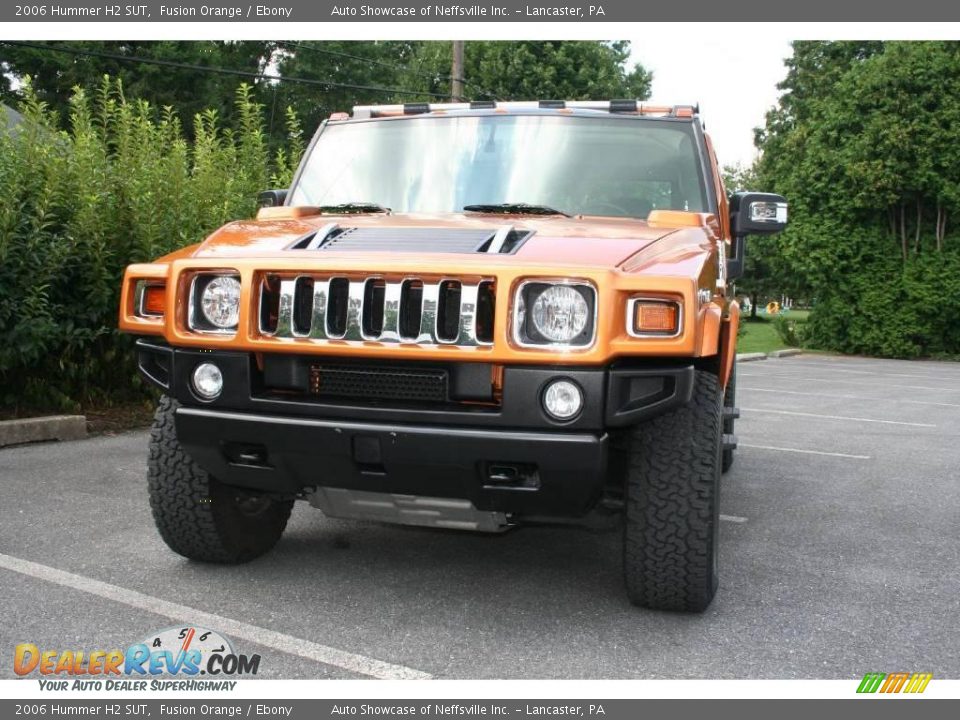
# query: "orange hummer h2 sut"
[469,316]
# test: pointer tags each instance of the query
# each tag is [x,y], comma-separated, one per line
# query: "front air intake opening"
[337,306]
[411,309]
[269,304]
[448,311]
[486,310]
[374,292]
[365,382]
[303,306]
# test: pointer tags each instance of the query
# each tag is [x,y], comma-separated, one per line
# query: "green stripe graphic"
[871,682]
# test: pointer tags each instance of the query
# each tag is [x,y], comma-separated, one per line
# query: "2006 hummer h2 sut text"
[468,316]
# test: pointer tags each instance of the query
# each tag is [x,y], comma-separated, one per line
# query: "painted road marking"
[833,367]
[847,397]
[805,452]
[836,417]
[288,644]
[871,383]
[733,518]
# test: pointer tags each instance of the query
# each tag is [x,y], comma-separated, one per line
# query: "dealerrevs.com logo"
[171,659]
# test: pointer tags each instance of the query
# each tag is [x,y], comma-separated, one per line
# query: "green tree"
[55,74]
[357,71]
[532,69]
[341,73]
[420,72]
[864,144]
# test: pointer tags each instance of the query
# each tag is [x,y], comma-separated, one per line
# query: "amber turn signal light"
[655,317]
[153,301]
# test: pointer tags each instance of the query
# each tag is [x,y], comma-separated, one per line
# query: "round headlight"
[207,381]
[560,313]
[220,302]
[563,399]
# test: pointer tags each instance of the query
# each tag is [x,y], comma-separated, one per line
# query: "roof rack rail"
[635,107]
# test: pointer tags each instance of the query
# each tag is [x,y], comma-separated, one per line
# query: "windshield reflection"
[592,166]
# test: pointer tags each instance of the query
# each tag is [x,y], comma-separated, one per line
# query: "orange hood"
[601,242]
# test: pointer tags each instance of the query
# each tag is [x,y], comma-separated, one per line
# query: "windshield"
[577,165]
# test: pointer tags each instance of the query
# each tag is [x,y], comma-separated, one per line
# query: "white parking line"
[871,383]
[845,397]
[911,366]
[836,417]
[359,664]
[733,518]
[805,452]
[833,368]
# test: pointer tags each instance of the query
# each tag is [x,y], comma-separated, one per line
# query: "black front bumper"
[510,472]
[508,456]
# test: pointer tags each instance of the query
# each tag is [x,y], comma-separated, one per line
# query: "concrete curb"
[747,357]
[39,429]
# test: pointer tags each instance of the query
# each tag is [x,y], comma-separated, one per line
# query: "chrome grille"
[401,310]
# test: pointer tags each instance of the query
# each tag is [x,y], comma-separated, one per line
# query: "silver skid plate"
[406,510]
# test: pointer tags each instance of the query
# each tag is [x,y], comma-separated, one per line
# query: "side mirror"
[753,213]
[272,198]
[757,213]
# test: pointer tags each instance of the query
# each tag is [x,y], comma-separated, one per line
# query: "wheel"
[729,401]
[200,517]
[672,503]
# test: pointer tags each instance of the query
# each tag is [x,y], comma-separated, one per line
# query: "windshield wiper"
[353,208]
[518,208]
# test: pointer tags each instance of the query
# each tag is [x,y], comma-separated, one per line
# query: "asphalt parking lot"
[840,554]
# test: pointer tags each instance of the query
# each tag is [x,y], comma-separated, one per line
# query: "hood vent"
[503,240]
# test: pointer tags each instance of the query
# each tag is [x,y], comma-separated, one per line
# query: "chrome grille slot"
[377,309]
[373,297]
[411,305]
[337,308]
[269,304]
[448,311]
[485,311]
[302,306]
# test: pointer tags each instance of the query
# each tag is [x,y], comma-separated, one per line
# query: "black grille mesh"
[379,383]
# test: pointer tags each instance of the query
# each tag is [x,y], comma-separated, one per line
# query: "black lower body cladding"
[437,431]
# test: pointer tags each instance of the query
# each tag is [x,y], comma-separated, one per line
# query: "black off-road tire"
[672,504]
[200,517]
[729,401]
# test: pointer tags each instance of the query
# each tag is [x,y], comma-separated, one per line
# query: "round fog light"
[563,399]
[207,381]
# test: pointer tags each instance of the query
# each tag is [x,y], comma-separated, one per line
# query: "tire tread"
[193,512]
[672,500]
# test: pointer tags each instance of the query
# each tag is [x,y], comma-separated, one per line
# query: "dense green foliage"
[864,144]
[342,73]
[120,184]
[56,74]
[492,70]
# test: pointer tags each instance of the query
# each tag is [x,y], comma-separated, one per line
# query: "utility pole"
[456,72]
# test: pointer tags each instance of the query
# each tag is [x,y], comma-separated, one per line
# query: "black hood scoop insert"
[330,238]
